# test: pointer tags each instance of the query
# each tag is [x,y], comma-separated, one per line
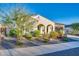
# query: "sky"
[66,13]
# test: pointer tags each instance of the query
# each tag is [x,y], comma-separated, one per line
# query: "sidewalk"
[39,50]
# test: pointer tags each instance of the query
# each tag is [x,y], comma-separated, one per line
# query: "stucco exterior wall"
[44,21]
[48,24]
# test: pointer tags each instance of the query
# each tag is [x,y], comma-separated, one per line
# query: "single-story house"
[43,24]
[46,26]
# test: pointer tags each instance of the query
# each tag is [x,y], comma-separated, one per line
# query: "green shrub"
[19,43]
[54,34]
[65,39]
[46,38]
[13,33]
[28,36]
[36,33]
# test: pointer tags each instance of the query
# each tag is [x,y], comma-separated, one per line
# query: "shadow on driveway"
[5,44]
[10,44]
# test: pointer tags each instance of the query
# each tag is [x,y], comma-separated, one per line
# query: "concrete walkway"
[39,50]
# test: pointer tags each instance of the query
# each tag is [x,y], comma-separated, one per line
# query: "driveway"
[69,52]
[39,50]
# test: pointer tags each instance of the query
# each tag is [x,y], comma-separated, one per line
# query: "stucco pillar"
[53,27]
[45,29]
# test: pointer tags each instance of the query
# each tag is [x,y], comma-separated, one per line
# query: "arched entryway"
[41,27]
[49,28]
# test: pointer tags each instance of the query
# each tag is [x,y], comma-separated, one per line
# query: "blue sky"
[62,13]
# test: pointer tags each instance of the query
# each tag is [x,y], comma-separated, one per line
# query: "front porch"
[46,29]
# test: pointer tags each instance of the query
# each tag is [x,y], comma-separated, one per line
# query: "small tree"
[20,20]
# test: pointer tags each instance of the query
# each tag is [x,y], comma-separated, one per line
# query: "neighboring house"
[46,26]
[70,30]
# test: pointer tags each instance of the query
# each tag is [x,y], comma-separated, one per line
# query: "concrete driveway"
[39,50]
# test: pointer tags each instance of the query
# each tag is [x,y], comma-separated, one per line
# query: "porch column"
[45,29]
[53,27]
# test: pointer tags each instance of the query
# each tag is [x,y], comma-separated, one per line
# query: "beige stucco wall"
[44,21]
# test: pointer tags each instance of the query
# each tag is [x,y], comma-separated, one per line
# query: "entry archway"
[41,27]
[49,28]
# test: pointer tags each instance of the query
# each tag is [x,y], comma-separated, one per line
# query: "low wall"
[73,36]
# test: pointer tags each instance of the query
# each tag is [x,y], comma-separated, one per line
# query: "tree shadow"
[8,44]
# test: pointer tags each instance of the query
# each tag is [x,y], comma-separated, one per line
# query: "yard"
[18,29]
